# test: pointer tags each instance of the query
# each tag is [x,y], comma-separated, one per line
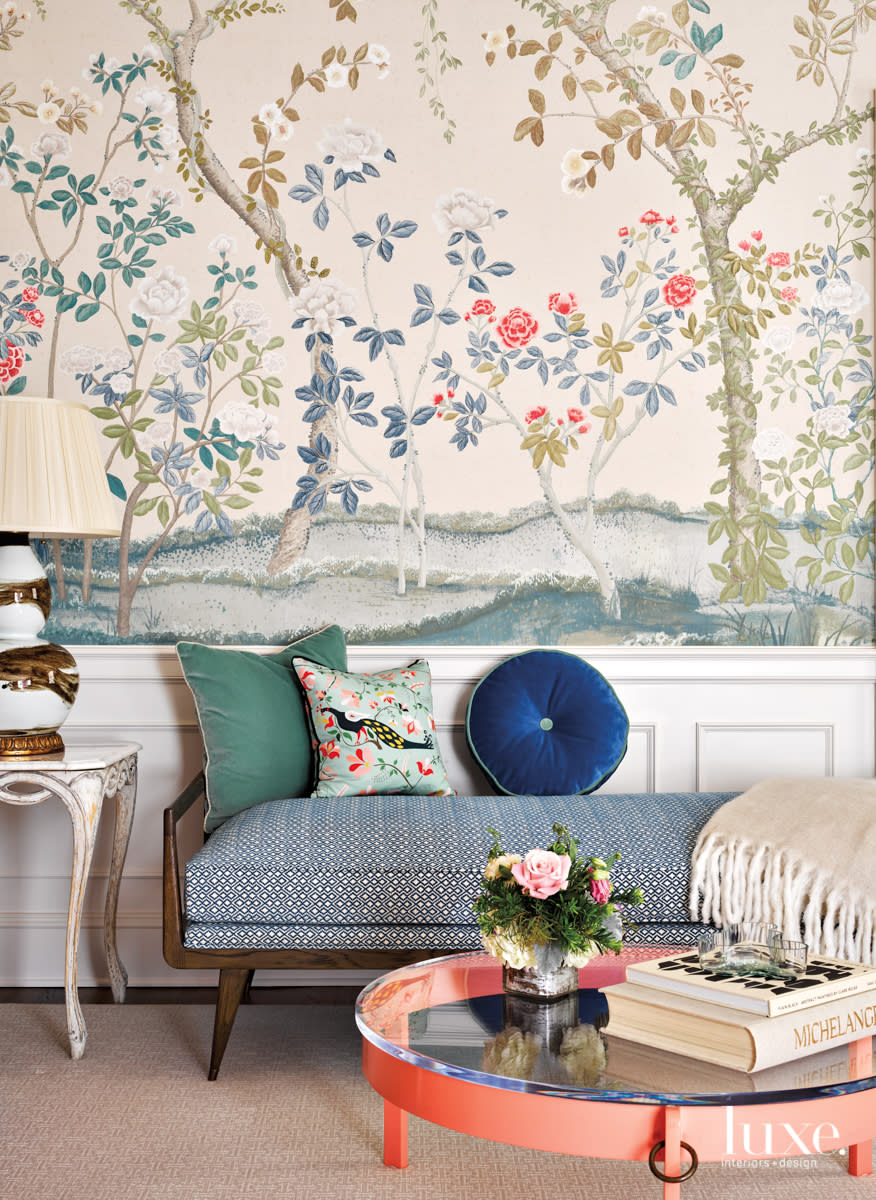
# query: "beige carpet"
[289,1116]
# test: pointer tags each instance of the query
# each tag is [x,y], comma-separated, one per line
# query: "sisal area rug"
[289,1117]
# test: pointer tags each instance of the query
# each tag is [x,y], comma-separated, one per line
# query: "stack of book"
[746,1023]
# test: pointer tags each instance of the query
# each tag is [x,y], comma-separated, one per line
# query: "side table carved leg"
[121,780]
[83,800]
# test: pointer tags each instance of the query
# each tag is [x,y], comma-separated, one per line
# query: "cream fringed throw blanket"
[800,853]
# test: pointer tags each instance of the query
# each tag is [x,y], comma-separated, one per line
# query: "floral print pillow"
[374,733]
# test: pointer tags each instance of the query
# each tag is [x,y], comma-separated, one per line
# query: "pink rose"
[517,328]
[757,234]
[745,245]
[30,295]
[679,290]
[535,414]
[562,303]
[542,873]
[779,258]
[789,294]
[575,415]
[600,890]
[34,317]
[483,308]
[624,231]
[651,217]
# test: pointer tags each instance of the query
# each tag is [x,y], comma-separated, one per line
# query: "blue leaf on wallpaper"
[389,154]
[302,192]
[384,249]
[204,521]
[397,449]
[651,297]
[448,317]
[584,394]
[422,415]
[115,484]
[403,229]
[700,6]
[636,388]
[370,169]
[653,349]
[421,315]
[697,36]
[669,57]
[477,284]
[364,418]
[443,360]
[500,268]
[363,239]
[667,393]
[315,413]
[314,175]
[568,382]
[317,502]
[423,294]
[608,263]
[383,224]
[543,372]
[454,258]
[712,38]
[321,215]
[685,65]
[395,337]
[652,402]
[479,257]
[454,238]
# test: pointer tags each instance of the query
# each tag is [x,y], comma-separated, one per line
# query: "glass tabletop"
[450,1015]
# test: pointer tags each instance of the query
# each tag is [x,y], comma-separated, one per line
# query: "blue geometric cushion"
[546,722]
[402,871]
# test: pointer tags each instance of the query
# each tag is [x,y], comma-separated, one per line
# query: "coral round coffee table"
[441,1042]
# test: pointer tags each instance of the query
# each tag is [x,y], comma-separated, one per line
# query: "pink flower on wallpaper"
[679,290]
[789,294]
[650,217]
[575,415]
[34,317]
[563,303]
[745,245]
[624,231]
[483,308]
[779,258]
[438,398]
[30,295]
[12,363]
[517,328]
[535,414]
[362,760]
[757,234]
[584,427]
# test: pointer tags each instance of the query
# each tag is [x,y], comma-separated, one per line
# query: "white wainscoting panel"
[700,719]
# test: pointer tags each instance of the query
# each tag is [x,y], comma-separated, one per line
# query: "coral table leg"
[861,1065]
[672,1152]
[395,1135]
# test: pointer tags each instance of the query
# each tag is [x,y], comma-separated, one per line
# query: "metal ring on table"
[691,1170]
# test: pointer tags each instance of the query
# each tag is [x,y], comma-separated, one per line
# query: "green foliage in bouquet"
[553,895]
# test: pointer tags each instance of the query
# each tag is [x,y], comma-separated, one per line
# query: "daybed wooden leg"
[250,975]
[232,982]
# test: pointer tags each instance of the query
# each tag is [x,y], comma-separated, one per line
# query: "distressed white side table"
[82,777]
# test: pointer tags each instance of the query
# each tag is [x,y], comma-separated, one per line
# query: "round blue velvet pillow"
[546,723]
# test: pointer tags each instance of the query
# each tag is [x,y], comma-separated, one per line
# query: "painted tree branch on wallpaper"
[648,112]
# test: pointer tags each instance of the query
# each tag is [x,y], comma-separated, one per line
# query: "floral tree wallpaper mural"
[506,323]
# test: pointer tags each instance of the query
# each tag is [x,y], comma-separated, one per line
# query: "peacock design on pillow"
[378,731]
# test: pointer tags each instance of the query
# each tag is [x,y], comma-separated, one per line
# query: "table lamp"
[52,482]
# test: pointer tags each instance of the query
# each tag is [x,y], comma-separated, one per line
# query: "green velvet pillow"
[256,732]
[374,733]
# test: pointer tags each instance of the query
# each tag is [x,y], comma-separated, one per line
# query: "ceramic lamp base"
[38,680]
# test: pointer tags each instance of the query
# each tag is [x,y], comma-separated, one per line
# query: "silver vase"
[547,980]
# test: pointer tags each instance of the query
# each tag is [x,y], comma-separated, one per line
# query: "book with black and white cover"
[729,1037]
[825,979]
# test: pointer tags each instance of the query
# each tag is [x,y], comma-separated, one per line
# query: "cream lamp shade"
[52,482]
